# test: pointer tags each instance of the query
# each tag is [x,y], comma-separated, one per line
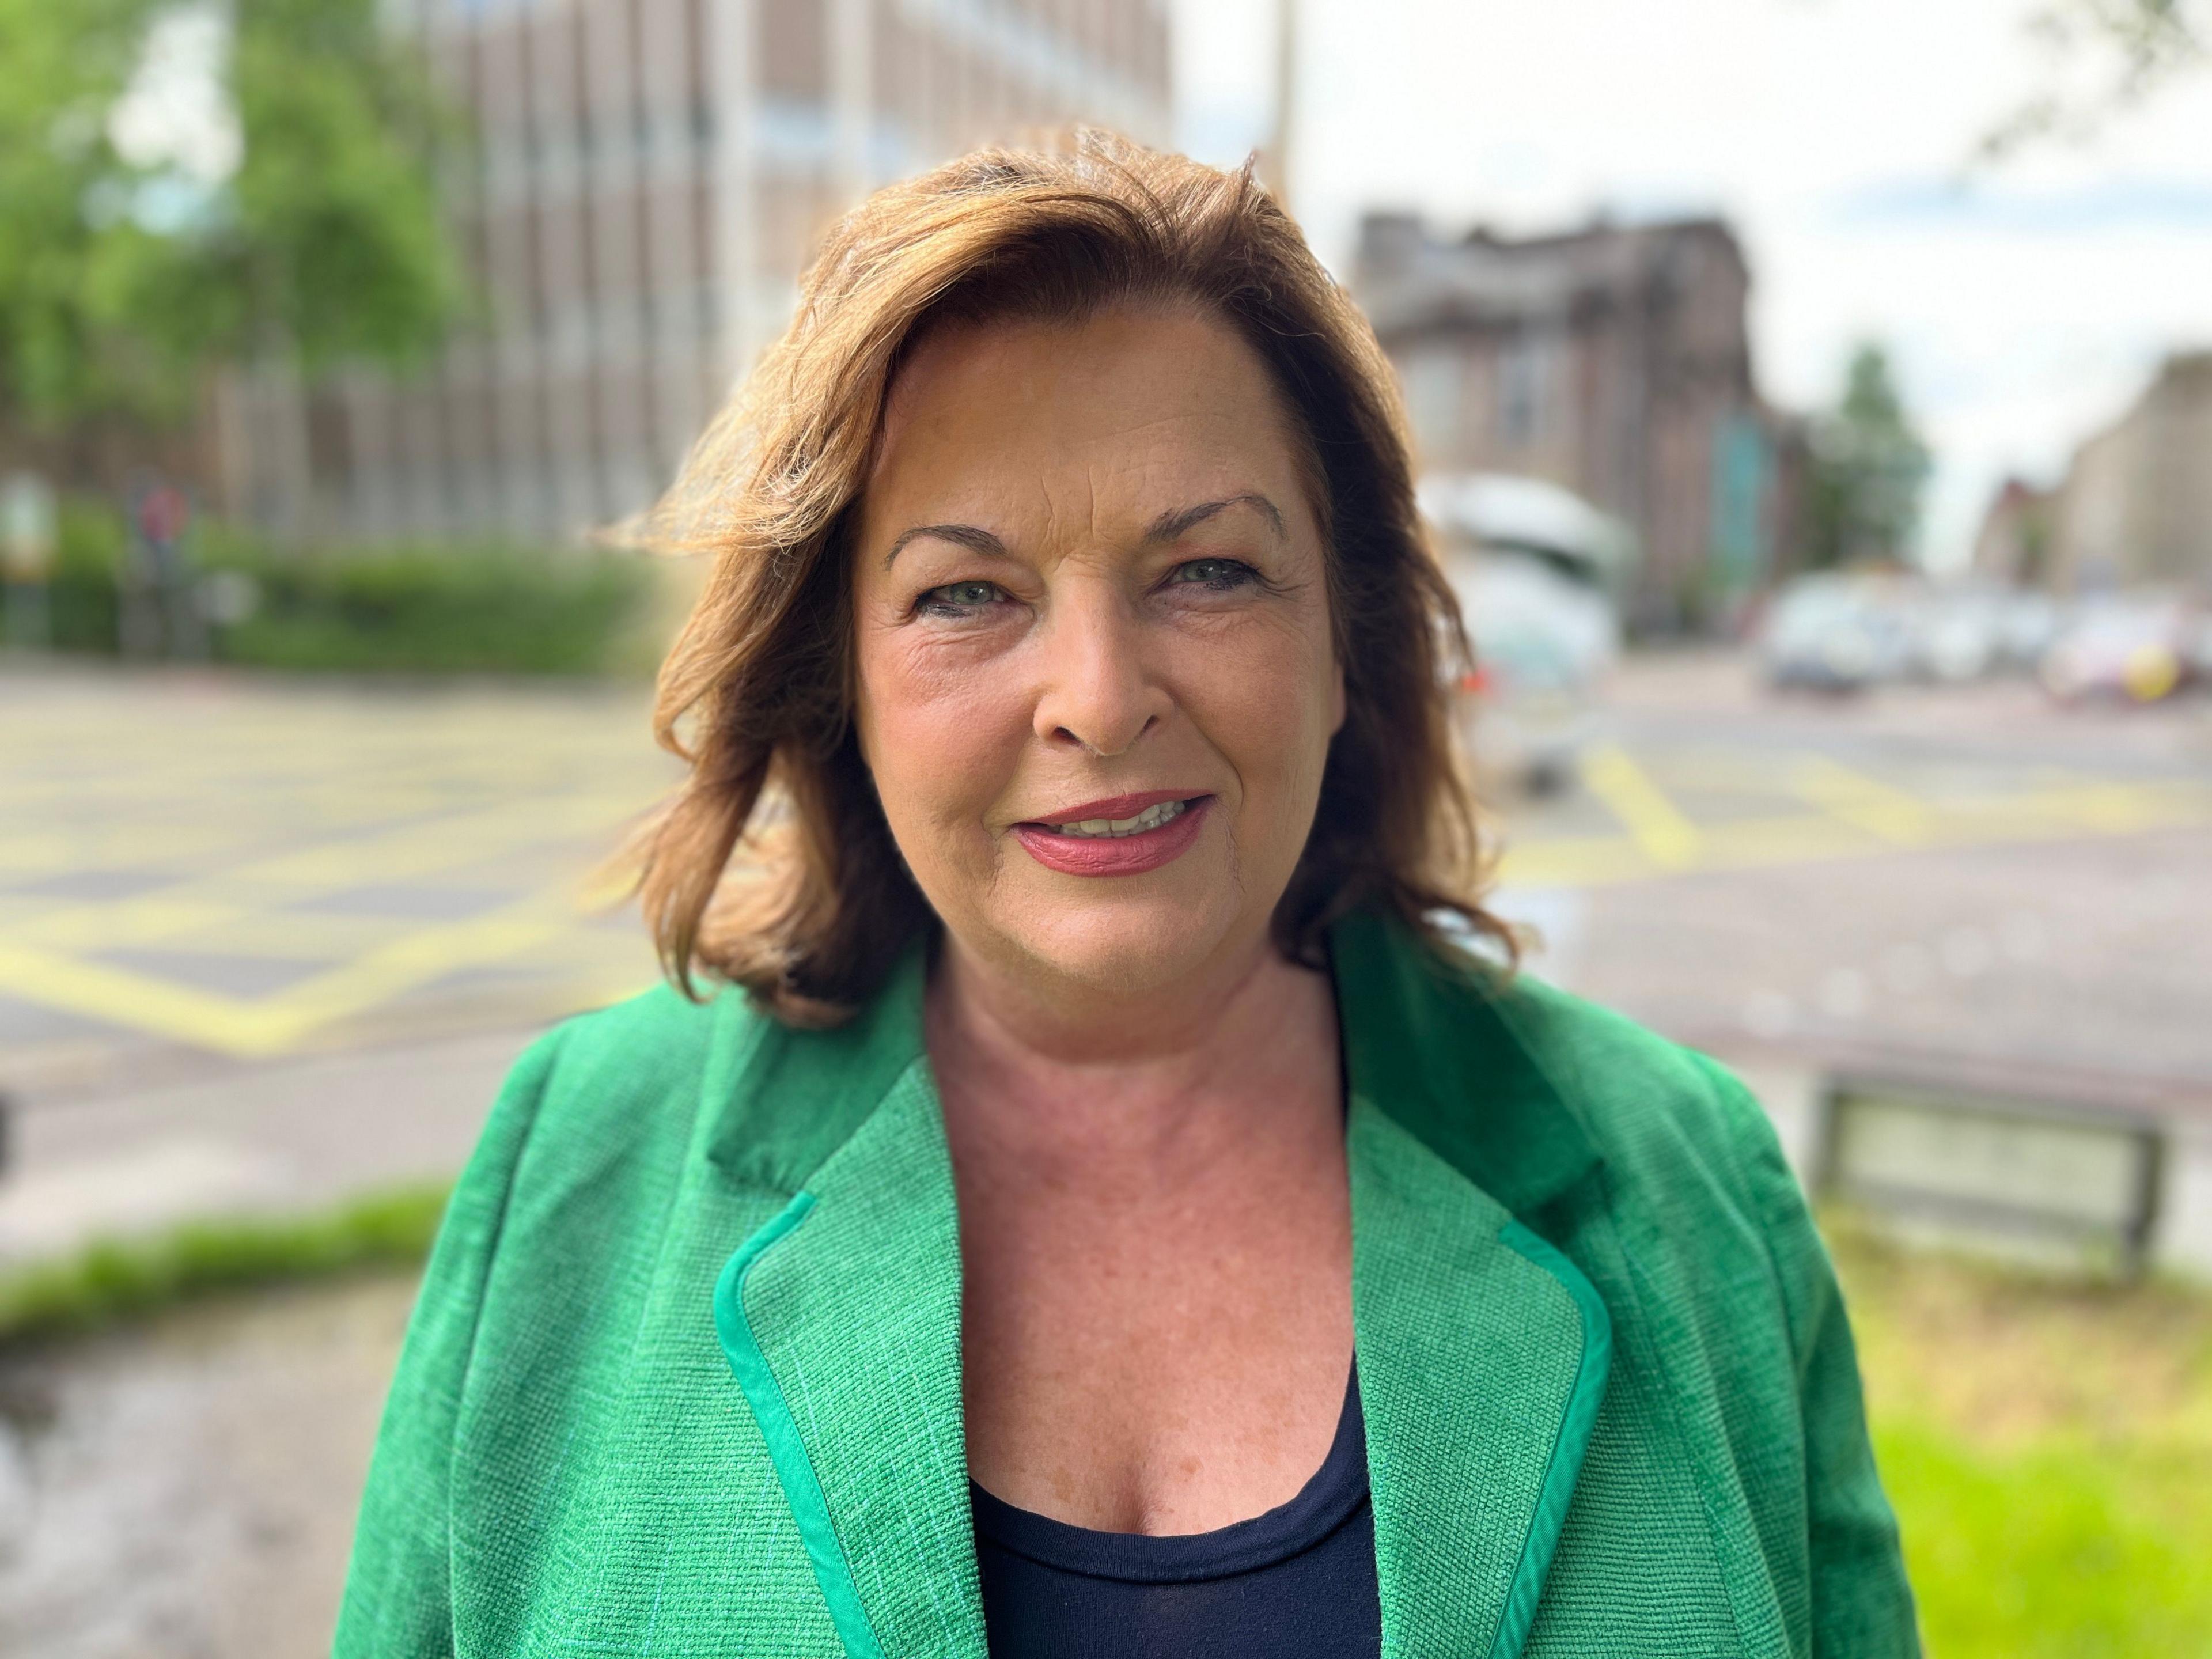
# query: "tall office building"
[647,180]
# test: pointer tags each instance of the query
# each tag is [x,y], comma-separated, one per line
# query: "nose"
[1098,691]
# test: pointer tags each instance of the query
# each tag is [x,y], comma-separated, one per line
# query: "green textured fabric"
[1611,1402]
[1469,1359]
[787,1447]
[1577,1419]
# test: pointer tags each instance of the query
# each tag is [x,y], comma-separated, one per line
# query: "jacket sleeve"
[1861,1604]
[399,1593]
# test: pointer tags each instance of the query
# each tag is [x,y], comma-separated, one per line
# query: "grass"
[2048,1446]
[107,1282]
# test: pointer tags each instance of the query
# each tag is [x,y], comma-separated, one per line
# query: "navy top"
[1297,1583]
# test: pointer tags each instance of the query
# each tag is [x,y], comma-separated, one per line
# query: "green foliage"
[1869,469]
[2107,57]
[83,594]
[115,1281]
[428,608]
[61,68]
[123,278]
[331,238]
[434,610]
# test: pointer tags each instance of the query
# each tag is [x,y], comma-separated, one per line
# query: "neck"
[1149,1085]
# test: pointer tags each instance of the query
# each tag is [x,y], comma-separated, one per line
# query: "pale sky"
[2024,307]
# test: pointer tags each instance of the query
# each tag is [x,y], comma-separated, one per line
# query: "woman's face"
[1097,684]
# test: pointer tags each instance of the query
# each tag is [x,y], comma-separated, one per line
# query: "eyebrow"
[961,535]
[1170,526]
[1167,527]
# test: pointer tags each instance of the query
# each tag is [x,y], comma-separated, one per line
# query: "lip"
[1115,806]
[1123,855]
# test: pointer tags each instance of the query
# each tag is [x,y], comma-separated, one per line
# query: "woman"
[1109,1213]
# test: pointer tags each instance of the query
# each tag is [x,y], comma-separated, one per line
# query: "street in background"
[1846,631]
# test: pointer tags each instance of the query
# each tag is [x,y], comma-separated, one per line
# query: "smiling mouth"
[1152,818]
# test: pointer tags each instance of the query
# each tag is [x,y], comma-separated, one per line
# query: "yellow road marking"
[268,1025]
[2111,809]
[1805,838]
[118,997]
[414,853]
[1668,838]
[1868,804]
[247,818]
[404,964]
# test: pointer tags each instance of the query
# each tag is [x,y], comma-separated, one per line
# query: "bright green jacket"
[684,1378]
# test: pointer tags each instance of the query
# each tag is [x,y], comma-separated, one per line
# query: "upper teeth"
[1150,818]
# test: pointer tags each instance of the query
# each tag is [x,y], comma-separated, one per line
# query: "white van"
[1537,571]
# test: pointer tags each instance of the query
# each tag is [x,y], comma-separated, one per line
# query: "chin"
[1127,944]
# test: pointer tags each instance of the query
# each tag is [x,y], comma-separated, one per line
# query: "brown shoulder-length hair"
[772,866]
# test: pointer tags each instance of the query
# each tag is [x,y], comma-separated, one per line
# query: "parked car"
[2028,623]
[1955,634]
[2139,647]
[1535,569]
[1839,633]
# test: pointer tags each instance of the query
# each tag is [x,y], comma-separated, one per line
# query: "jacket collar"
[1444,1052]
[1482,1351]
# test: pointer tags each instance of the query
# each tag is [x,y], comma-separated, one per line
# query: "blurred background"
[1814,405]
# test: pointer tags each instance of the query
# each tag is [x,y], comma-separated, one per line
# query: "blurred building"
[2013,545]
[648,178]
[2136,504]
[1613,360]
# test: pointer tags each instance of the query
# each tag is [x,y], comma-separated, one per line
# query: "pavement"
[199,865]
[1964,878]
[185,1489]
[263,943]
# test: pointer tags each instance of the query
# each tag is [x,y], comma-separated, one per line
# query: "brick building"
[1613,360]
[647,180]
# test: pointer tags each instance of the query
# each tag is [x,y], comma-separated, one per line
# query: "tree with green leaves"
[185,187]
[1869,470]
[2107,56]
[61,69]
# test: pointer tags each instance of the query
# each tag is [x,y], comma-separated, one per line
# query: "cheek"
[939,732]
[1267,693]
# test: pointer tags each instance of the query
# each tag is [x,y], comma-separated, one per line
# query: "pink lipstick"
[1119,836]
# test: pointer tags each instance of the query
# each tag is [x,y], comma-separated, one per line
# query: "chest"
[1143,1358]
[1164,1379]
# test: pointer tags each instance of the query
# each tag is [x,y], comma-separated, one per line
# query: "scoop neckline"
[1330,1497]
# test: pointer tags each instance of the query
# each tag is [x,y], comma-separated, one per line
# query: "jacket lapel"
[1483,1352]
[841,1319]
[1482,1362]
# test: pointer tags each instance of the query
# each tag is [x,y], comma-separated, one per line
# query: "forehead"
[1141,405]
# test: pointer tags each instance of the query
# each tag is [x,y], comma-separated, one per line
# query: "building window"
[1523,369]
[1436,380]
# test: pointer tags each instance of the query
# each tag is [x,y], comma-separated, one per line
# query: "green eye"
[957,596]
[1217,573]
